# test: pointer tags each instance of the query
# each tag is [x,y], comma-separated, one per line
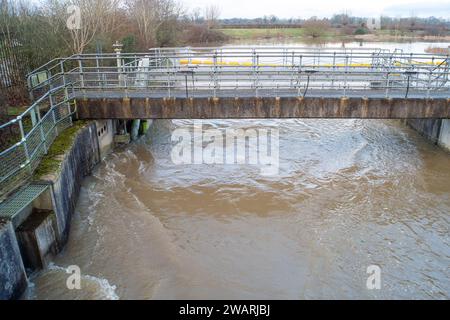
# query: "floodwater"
[348,194]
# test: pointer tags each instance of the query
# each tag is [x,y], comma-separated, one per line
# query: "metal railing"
[208,72]
[256,71]
[30,136]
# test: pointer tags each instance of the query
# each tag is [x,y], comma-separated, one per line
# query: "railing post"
[168,77]
[292,68]
[215,73]
[298,74]
[387,84]
[429,83]
[67,100]
[50,98]
[97,65]
[25,146]
[118,50]
[63,75]
[345,75]
[334,70]
[43,139]
[257,75]
[80,66]
[254,71]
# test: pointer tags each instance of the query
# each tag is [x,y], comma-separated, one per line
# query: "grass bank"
[51,162]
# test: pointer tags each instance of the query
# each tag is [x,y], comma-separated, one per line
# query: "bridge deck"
[156,105]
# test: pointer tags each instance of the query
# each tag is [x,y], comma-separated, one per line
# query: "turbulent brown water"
[349,194]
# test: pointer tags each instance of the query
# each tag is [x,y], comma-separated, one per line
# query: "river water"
[348,194]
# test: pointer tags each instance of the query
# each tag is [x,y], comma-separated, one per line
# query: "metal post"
[387,84]
[334,69]
[24,142]
[80,66]
[62,73]
[53,114]
[257,75]
[43,139]
[215,73]
[187,92]
[98,71]
[117,46]
[345,75]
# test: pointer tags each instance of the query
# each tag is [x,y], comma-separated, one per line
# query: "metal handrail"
[47,117]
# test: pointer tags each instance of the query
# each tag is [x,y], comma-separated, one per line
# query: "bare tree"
[150,15]
[196,15]
[96,16]
[212,14]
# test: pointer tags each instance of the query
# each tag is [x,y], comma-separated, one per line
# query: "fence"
[36,129]
[257,71]
[13,68]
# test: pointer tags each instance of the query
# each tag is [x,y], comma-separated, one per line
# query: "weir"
[121,92]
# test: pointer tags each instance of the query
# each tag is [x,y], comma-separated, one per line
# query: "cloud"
[419,9]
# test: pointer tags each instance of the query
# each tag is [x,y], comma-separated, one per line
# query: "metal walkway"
[12,207]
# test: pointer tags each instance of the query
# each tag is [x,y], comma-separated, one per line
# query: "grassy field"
[329,35]
[260,33]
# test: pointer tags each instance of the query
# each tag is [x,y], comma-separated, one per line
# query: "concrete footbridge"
[251,82]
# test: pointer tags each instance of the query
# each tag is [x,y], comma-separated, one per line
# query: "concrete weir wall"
[262,107]
[44,228]
[78,162]
[436,130]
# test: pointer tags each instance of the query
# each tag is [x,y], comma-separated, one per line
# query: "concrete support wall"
[105,134]
[77,163]
[44,226]
[261,107]
[13,279]
[444,137]
[429,128]
[37,239]
[435,130]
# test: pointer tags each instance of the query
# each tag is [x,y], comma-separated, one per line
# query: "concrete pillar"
[135,129]
[146,125]
[37,239]
[13,279]
[444,135]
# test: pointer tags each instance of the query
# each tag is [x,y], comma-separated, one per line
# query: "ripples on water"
[349,194]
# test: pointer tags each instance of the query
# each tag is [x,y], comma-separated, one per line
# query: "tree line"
[42,32]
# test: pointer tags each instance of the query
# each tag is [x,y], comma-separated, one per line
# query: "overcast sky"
[325,8]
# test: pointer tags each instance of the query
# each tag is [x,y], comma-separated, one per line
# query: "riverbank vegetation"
[33,33]
[51,162]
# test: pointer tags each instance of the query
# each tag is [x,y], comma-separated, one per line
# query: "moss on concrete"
[51,162]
